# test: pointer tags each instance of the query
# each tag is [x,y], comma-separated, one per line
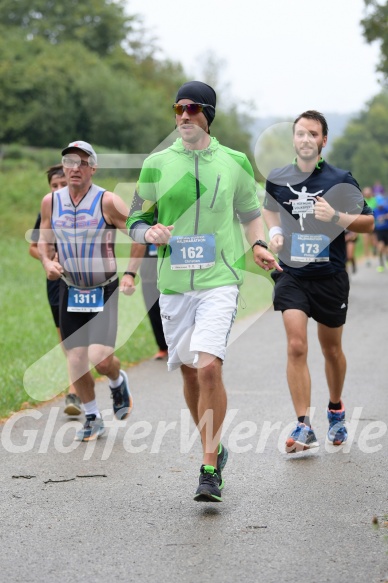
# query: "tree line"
[87,69]
[363,148]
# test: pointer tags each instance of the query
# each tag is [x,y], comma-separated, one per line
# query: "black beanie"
[199,93]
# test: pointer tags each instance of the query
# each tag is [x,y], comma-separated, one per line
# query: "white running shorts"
[197,321]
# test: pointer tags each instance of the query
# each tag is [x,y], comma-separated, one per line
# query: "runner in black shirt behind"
[307,207]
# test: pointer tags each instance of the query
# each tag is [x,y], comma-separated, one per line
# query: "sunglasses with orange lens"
[191,108]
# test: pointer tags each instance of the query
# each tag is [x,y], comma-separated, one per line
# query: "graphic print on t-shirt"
[304,204]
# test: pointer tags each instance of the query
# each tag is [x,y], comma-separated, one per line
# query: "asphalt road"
[121,509]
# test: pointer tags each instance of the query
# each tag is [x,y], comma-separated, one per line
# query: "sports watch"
[335,218]
[261,243]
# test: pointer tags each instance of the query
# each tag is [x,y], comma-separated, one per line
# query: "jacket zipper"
[215,191]
[197,209]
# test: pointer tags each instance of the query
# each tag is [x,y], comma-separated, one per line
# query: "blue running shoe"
[209,485]
[222,458]
[122,399]
[93,429]
[337,433]
[300,439]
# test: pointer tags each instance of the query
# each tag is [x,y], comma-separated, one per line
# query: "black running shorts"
[86,328]
[55,313]
[382,235]
[324,299]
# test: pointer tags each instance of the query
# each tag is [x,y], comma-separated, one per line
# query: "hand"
[323,211]
[53,269]
[127,285]
[264,259]
[158,234]
[276,244]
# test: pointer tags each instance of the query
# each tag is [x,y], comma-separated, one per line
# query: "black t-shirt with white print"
[312,248]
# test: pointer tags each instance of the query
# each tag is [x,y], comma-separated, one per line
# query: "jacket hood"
[206,154]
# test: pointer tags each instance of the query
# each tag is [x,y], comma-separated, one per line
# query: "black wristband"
[130,273]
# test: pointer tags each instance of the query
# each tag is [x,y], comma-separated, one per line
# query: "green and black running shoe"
[209,485]
[222,458]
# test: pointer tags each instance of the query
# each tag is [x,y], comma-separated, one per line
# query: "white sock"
[115,384]
[91,408]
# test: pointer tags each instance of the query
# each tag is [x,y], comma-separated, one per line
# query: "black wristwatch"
[335,218]
[261,243]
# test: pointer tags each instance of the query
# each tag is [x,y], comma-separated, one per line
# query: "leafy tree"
[39,94]
[375,29]
[84,70]
[100,25]
[363,149]
[53,93]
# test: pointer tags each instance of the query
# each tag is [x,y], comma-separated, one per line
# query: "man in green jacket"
[203,192]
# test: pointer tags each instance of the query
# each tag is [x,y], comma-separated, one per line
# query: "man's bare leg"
[206,398]
[298,375]
[335,361]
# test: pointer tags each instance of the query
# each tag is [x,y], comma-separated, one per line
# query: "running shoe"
[337,433]
[209,485]
[72,405]
[160,355]
[380,269]
[122,399]
[222,458]
[93,429]
[300,439]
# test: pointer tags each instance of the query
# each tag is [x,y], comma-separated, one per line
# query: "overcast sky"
[284,55]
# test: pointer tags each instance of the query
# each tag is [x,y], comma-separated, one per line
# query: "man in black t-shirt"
[307,207]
